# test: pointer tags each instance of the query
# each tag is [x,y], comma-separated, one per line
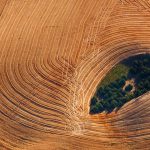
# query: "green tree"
[128,88]
[93,101]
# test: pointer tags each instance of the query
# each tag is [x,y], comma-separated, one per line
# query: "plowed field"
[53,54]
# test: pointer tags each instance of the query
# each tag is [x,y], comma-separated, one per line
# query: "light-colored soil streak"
[53,54]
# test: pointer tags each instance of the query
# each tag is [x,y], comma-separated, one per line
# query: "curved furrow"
[53,55]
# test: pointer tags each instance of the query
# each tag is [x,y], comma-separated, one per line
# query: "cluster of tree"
[113,96]
[141,71]
[128,88]
[109,97]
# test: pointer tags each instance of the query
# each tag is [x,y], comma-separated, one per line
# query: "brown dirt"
[53,54]
[131,82]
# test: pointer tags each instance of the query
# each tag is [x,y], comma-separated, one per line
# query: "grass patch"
[114,74]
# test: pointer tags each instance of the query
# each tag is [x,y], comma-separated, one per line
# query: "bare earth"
[131,82]
[53,54]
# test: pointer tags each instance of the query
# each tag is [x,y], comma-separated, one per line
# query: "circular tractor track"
[53,54]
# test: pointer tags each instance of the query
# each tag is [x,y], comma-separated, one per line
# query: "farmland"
[53,55]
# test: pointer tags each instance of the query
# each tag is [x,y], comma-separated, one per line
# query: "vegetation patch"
[116,72]
[127,80]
